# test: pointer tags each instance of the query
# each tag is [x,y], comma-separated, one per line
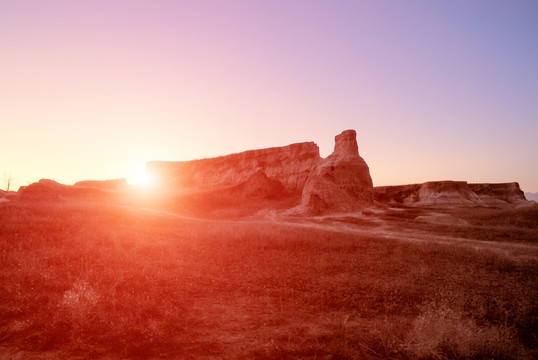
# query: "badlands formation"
[339,183]
[292,178]
[450,193]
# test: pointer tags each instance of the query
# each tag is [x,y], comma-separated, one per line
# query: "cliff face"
[450,193]
[292,177]
[297,175]
[508,192]
[340,182]
[290,165]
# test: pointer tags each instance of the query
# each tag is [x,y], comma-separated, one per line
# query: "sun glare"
[139,178]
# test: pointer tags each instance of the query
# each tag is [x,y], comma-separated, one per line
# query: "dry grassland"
[99,281]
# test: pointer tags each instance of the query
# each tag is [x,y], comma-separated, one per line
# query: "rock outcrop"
[293,178]
[110,185]
[50,190]
[341,182]
[44,189]
[507,192]
[450,193]
[290,165]
[310,184]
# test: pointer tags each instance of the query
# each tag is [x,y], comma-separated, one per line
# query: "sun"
[139,177]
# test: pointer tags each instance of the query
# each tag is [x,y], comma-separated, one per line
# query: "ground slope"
[92,281]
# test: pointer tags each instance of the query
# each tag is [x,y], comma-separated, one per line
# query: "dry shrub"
[387,335]
[441,332]
[80,300]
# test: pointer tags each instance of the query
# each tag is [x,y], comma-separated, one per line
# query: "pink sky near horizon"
[435,90]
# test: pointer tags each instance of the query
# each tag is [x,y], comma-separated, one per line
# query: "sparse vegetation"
[7,181]
[490,224]
[103,281]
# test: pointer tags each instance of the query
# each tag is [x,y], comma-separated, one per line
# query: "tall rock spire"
[346,144]
[341,182]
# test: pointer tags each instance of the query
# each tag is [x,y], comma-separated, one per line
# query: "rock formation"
[293,178]
[290,165]
[507,192]
[112,185]
[51,190]
[450,193]
[44,189]
[341,182]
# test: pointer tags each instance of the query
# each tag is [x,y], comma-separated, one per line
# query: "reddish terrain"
[247,260]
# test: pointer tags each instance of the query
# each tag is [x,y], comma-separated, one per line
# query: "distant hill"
[531,196]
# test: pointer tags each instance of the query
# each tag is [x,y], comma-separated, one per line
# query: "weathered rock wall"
[341,182]
[450,193]
[290,165]
[509,192]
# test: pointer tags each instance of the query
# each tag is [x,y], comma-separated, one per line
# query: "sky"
[436,90]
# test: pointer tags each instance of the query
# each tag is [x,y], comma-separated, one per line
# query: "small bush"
[441,332]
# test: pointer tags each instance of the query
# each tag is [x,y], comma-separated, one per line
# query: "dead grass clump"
[79,301]
[441,332]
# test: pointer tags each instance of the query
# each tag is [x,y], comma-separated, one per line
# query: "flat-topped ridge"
[450,193]
[296,149]
[341,178]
